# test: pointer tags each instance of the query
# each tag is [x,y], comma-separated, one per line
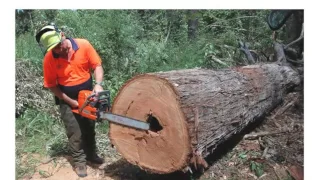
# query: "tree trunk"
[192,24]
[293,29]
[193,111]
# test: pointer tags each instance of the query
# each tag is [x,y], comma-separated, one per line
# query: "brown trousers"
[81,134]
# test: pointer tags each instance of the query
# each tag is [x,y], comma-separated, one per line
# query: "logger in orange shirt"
[67,68]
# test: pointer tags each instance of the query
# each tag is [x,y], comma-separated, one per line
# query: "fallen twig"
[265,152]
[263,175]
[218,61]
[254,136]
[284,108]
[262,145]
[49,160]
[274,169]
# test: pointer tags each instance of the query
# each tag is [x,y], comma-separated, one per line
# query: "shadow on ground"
[122,170]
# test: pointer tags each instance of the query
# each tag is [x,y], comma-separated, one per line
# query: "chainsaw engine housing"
[90,105]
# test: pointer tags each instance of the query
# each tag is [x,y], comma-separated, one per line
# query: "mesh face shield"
[48,37]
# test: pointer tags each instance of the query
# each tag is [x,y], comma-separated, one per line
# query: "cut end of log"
[165,147]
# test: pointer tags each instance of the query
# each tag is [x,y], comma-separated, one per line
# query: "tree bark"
[193,111]
[192,24]
[293,29]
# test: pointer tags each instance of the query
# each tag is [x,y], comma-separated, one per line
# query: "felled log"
[193,111]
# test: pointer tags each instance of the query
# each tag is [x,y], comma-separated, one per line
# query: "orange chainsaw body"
[86,108]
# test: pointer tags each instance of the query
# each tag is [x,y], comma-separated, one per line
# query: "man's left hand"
[97,88]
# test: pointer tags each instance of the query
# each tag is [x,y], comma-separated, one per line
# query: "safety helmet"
[48,37]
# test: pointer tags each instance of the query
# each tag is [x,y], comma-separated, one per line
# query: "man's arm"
[95,64]
[98,75]
[57,92]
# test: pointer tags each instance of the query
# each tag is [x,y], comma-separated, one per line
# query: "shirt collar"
[75,47]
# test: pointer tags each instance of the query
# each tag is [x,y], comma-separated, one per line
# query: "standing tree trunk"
[293,29]
[193,111]
[192,24]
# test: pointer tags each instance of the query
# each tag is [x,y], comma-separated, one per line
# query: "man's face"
[62,48]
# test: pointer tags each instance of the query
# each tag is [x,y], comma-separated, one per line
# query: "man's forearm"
[57,92]
[98,74]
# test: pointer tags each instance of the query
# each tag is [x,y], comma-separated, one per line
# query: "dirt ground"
[277,154]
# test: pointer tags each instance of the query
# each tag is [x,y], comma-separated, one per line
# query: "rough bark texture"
[192,24]
[214,105]
[293,29]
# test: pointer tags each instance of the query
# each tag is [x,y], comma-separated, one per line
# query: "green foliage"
[44,174]
[243,155]
[27,48]
[131,42]
[257,168]
[36,132]
[26,167]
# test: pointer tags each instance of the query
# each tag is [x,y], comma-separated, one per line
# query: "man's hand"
[97,88]
[57,92]
[74,103]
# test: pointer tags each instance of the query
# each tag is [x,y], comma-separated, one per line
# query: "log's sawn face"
[166,147]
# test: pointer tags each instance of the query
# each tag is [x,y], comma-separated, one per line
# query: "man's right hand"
[57,92]
[74,103]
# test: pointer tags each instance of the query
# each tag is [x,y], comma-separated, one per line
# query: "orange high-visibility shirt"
[59,71]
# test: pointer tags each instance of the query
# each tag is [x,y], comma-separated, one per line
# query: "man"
[66,67]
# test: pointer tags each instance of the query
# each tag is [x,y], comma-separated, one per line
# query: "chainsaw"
[96,107]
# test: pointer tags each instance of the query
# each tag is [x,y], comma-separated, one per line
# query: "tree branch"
[254,136]
[297,40]
[296,62]
[279,52]
[168,34]
[244,48]
[218,61]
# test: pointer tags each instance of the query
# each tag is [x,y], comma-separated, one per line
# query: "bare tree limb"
[244,48]
[168,34]
[296,62]
[297,40]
